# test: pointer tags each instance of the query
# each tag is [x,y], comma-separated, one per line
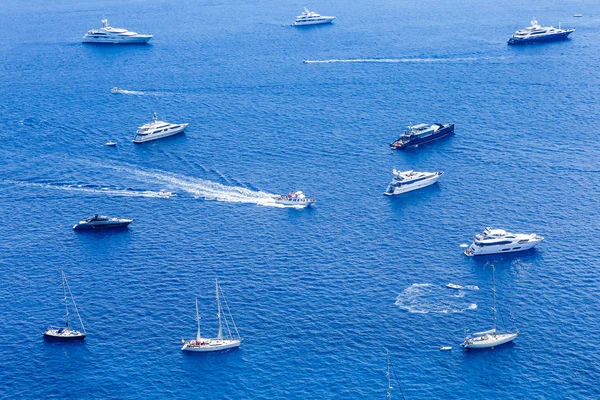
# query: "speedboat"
[108,34]
[102,222]
[110,143]
[537,33]
[407,181]
[577,15]
[422,133]
[166,193]
[453,286]
[66,333]
[494,241]
[311,18]
[157,130]
[295,199]
[116,90]
[490,338]
[221,342]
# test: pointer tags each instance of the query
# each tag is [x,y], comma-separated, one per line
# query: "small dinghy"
[110,143]
[166,193]
[453,286]
[445,348]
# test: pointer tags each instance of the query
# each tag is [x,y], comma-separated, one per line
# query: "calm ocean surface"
[317,294]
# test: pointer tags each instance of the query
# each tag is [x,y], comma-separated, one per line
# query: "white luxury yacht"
[295,199]
[491,338]
[538,33]
[157,130]
[406,181]
[201,344]
[108,34]
[311,18]
[493,241]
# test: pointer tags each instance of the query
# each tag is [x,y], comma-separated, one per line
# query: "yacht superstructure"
[108,34]
[538,33]
[407,181]
[493,241]
[157,130]
[312,18]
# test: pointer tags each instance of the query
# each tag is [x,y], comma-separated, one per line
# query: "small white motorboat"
[578,15]
[295,199]
[166,193]
[453,286]
[445,348]
[110,143]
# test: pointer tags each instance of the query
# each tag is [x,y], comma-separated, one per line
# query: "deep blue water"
[317,294]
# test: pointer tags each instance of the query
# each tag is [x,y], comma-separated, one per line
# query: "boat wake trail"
[89,189]
[202,188]
[395,60]
[425,298]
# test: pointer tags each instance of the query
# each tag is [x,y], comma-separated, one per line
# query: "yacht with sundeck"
[537,33]
[407,181]
[157,130]
[108,34]
[494,241]
[419,134]
[312,18]
[295,199]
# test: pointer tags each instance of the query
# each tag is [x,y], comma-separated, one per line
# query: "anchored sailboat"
[66,333]
[219,343]
[491,338]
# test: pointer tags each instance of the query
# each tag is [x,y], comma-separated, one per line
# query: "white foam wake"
[394,60]
[88,189]
[202,188]
[424,298]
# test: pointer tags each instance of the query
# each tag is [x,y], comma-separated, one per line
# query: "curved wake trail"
[395,60]
[87,189]
[425,298]
[205,189]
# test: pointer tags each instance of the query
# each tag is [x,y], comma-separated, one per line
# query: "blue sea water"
[317,294]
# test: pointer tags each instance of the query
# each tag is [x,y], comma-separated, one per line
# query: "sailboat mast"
[220,335]
[74,304]
[494,290]
[198,321]
[389,391]
[64,278]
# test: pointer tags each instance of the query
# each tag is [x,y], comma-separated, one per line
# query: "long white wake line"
[394,60]
[80,188]
[205,189]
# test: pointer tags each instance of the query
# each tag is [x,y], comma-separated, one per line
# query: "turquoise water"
[317,294]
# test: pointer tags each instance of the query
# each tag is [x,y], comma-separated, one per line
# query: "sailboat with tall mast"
[491,338]
[221,342]
[66,332]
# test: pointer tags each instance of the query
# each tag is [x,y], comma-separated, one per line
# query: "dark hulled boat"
[537,33]
[422,133]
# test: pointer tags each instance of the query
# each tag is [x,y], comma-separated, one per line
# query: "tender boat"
[98,221]
[295,199]
[157,130]
[416,135]
[66,333]
[116,90]
[311,18]
[407,181]
[166,193]
[201,344]
[578,15]
[491,338]
[110,143]
[108,34]
[453,286]
[537,33]
[494,241]
[445,348]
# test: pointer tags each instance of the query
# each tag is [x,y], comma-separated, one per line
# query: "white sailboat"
[490,338]
[201,344]
[65,332]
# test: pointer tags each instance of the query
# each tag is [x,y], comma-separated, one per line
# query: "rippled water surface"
[317,294]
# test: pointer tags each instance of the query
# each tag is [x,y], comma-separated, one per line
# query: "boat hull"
[140,39]
[49,335]
[543,39]
[88,227]
[489,341]
[416,186]
[441,133]
[472,251]
[148,138]
[296,204]
[308,23]
[212,346]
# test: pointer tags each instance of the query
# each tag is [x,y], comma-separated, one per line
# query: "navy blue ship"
[536,33]
[421,134]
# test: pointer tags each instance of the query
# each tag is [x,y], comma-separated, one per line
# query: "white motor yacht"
[537,33]
[491,338]
[311,18]
[108,34]
[494,241]
[201,344]
[295,199]
[407,181]
[157,130]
